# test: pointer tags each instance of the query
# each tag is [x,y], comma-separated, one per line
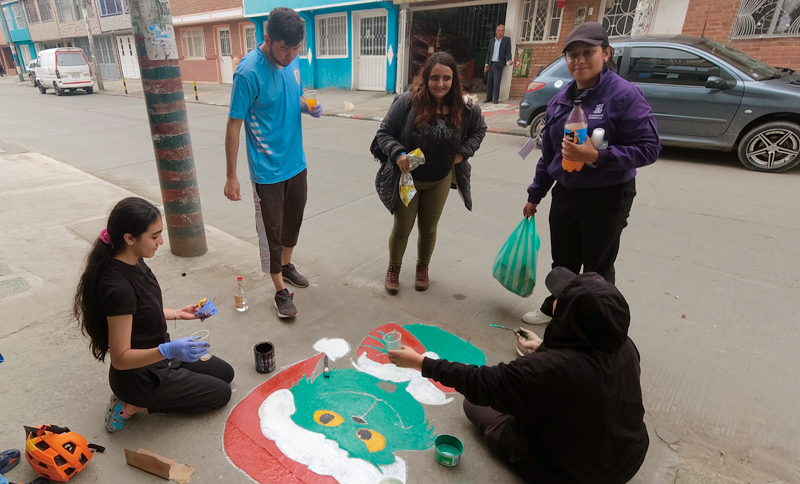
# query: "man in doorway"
[267,93]
[497,57]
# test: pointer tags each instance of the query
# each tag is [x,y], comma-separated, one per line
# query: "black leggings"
[171,386]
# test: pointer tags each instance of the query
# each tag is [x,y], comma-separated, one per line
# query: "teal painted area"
[395,416]
[448,346]
[18,33]
[263,7]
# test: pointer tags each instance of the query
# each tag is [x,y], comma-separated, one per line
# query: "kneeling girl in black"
[118,304]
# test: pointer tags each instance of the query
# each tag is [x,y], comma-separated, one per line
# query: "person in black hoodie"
[570,412]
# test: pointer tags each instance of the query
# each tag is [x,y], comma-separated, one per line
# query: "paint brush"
[325,370]
[517,331]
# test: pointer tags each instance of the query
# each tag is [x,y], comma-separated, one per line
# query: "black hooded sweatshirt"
[576,404]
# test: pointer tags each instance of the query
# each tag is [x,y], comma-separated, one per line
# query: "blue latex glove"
[316,111]
[184,349]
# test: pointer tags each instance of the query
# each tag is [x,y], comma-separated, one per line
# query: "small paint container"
[448,450]
[265,357]
[390,480]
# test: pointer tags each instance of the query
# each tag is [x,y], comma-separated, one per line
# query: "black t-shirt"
[126,289]
[439,143]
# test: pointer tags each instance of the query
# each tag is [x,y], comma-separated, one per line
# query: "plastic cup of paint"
[311,99]
[390,480]
[392,340]
[448,450]
[265,357]
[203,335]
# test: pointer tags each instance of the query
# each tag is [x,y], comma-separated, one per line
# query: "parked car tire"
[42,89]
[89,90]
[59,91]
[536,127]
[771,147]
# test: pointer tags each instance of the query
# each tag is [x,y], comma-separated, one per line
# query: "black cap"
[558,279]
[592,33]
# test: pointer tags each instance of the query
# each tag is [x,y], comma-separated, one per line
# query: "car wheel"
[771,147]
[89,90]
[537,126]
[59,91]
[42,89]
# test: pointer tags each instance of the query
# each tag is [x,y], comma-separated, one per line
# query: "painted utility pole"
[14,49]
[157,53]
[92,48]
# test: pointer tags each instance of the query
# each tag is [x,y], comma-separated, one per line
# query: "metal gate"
[225,60]
[371,61]
[104,56]
[126,48]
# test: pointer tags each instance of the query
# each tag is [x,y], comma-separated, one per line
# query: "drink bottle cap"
[238,278]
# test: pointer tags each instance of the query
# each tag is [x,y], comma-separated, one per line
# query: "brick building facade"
[715,19]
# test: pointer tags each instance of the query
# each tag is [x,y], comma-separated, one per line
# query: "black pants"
[585,228]
[171,386]
[282,205]
[498,434]
[493,78]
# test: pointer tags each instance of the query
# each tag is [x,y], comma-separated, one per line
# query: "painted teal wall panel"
[262,7]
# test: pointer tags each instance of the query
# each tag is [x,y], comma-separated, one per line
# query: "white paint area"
[335,348]
[419,387]
[320,454]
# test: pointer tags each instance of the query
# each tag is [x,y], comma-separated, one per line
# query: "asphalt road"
[708,263]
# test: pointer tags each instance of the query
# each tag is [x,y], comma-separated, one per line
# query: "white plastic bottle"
[239,298]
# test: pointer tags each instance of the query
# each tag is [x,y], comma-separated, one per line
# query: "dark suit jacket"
[505,50]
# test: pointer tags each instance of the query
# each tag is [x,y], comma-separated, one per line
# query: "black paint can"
[265,357]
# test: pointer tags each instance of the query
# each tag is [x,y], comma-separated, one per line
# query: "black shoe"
[487,101]
[293,277]
[494,102]
[284,304]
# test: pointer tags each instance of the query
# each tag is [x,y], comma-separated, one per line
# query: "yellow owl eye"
[374,441]
[328,418]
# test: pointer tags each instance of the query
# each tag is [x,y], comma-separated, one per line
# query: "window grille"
[249,39]
[9,18]
[45,12]
[110,7]
[19,20]
[618,17]
[541,21]
[767,18]
[193,44]
[478,23]
[30,9]
[303,46]
[373,35]
[331,36]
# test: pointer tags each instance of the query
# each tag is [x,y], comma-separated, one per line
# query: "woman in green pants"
[436,117]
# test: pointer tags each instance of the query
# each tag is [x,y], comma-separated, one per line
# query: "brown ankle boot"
[421,283]
[392,279]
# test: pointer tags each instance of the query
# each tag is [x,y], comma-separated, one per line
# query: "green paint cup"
[448,450]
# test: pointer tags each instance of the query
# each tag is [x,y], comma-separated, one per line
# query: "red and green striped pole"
[169,125]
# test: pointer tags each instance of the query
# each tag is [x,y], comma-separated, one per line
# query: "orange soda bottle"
[575,130]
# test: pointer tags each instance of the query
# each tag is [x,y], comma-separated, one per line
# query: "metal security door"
[371,61]
[105,59]
[127,57]
[225,60]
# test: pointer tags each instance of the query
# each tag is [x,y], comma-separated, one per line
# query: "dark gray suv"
[703,94]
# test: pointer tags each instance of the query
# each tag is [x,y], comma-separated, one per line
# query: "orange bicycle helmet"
[57,453]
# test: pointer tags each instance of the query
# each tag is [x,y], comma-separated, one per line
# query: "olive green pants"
[426,208]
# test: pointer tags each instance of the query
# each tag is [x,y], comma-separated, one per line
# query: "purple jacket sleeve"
[542,181]
[507,388]
[636,126]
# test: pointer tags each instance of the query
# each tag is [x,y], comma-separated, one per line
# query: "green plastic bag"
[515,265]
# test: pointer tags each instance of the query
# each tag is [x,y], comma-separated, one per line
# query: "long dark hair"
[130,216]
[426,105]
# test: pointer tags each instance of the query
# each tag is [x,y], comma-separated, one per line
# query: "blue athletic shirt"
[267,98]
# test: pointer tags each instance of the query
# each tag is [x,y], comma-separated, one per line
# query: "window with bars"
[767,18]
[331,35]
[618,17]
[19,19]
[45,12]
[373,35]
[65,13]
[30,9]
[541,21]
[193,44]
[110,7]
[9,17]
[250,42]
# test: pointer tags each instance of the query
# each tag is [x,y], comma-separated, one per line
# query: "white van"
[64,68]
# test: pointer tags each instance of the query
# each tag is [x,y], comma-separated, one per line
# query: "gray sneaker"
[293,277]
[284,304]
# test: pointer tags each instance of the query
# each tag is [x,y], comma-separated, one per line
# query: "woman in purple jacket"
[590,207]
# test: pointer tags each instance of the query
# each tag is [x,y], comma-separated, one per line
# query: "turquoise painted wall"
[19,33]
[326,73]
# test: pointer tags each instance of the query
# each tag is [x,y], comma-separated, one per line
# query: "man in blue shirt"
[267,98]
[497,57]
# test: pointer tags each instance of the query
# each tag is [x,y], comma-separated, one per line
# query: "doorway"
[225,57]
[127,57]
[370,50]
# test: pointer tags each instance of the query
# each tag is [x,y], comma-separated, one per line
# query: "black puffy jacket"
[394,136]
